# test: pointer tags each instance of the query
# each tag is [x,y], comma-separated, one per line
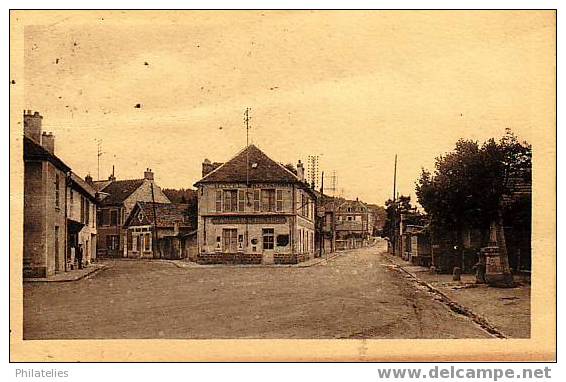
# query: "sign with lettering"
[248,220]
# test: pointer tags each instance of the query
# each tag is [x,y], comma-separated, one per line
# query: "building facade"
[352,224]
[117,199]
[59,207]
[252,209]
[81,220]
[171,224]
[45,177]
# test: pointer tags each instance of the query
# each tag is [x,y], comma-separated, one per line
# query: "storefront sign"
[248,220]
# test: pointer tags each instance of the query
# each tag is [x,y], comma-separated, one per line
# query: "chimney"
[300,171]
[148,174]
[32,125]
[207,167]
[112,178]
[48,142]
[88,179]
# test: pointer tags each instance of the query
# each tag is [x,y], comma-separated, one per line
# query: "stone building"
[173,225]
[352,224]
[117,199]
[58,206]
[45,178]
[81,219]
[252,209]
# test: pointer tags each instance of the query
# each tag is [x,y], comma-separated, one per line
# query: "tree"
[393,211]
[468,185]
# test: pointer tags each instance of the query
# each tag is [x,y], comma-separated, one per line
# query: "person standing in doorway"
[80,256]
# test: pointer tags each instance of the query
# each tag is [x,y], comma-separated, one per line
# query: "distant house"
[173,225]
[353,225]
[252,209]
[117,200]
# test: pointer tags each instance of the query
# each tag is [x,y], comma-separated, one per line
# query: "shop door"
[230,240]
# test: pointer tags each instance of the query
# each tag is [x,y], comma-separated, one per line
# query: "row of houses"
[250,209]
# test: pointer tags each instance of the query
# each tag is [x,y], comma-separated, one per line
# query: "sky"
[355,88]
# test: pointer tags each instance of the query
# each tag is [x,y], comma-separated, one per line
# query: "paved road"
[356,295]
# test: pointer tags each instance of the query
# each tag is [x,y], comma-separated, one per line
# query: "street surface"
[355,295]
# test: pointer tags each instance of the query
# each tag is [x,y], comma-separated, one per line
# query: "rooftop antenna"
[247,122]
[98,154]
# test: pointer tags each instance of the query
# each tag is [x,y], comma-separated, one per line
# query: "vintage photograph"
[280,174]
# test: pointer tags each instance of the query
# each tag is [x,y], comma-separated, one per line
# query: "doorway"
[229,240]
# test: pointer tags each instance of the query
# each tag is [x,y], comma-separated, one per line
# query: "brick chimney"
[112,178]
[48,142]
[32,125]
[88,179]
[148,174]
[300,171]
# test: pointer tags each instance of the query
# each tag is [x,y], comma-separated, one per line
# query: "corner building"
[253,210]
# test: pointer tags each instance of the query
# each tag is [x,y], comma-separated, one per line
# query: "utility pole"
[154,222]
[98,155]
[247,122]
[394,223]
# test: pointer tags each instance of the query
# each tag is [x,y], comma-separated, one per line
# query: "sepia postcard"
[262,185]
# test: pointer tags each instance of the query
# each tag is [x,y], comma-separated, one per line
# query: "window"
[282,240]
[268,200]
[87,214]
[279,200]
[113,217]
[71,203]
[257,204]
[230,200]
[349,218]
[302,205]
[218,200]
[241,200]
[82,215]
[112,241]
[57,190]
[267,238]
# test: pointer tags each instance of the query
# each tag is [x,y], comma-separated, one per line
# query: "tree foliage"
[468,183]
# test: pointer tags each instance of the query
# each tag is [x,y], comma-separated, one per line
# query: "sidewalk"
[506,309]
[73,275]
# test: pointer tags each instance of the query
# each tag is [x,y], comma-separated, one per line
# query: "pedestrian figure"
[480,269]
[80,256]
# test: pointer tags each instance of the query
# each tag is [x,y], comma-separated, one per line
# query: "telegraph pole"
[247,122]
[98,154]
[394,223]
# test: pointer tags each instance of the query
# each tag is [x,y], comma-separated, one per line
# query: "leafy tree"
[468,185]
[393,211]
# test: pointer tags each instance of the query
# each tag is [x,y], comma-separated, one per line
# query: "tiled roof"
[100,184]
[167,214]
[119,191]
[34,151]
[83,185]
[262,169]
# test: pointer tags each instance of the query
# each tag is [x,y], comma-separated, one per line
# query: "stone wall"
[229,258]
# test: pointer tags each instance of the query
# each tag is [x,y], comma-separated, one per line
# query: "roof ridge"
[222,165]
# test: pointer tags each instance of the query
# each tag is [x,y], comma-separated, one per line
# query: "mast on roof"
[247,122]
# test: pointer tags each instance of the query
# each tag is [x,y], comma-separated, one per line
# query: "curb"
[299,265]
[453,305]
[77,278]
